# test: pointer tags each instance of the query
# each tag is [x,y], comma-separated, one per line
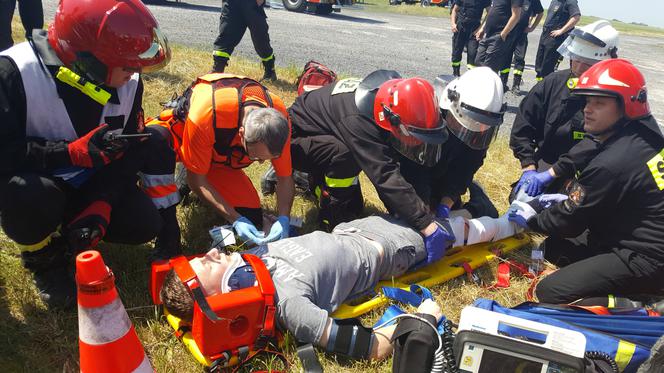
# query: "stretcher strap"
[414,297]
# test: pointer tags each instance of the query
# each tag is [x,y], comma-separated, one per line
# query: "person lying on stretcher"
[314,274]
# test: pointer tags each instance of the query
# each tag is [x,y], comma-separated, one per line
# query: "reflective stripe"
[167,201]
[612,301]
[221,54]
[317,193]
[518,72]
[160,191]
[71,78]
[37,246]
[145,366]
[455,64]
[341,183]
[270,57]
[505,71]
[578,135]
[538,78]
[149,180]
[100,325]
[656,166]
[624,354]
[470,65]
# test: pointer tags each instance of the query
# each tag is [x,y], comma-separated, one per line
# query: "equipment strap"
[414,297]
[309,359]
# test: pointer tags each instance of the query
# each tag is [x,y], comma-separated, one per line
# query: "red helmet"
[617,78]
[408,108]
[95,36]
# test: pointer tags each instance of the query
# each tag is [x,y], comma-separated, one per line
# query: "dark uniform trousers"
[588,272]
[463,38]
[520,49]
[32,17]
[494,52]
[547,53]
[333,172]
[36,205]
[236,17]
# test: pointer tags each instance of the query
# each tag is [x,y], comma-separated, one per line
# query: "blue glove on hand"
[443,211]
[437,242]
[247,231]
[523,181]
[537,182]
[519,213]
[548,200]
[278,231]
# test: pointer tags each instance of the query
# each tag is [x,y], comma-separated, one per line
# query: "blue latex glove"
[247,231]
[523,181]
[520,213]
[548,200]
[443,211]
[437,242]
[537,182]
[279,230]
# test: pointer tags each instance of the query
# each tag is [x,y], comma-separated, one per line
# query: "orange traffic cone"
[106,336]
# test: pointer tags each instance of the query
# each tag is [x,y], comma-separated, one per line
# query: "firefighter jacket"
[549,121]
[331,110]
[618,198]
[43,111]
[206,119]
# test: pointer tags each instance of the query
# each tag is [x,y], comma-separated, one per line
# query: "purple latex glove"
[443,211]
[523,181]
[437,242]
[537,182]
[548,200]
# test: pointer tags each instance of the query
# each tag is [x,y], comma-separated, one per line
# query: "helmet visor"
[580,46]
[158,55]
[419,152]
[473,133]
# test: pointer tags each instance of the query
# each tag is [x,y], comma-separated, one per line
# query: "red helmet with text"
[617,78]
[94,36]
[408,108]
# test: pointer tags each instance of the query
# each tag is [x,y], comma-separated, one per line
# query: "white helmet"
[475,99]
[591,43]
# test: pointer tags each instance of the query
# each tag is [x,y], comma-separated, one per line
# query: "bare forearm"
[285,191]
[205,191]
[570,24]
[514,19]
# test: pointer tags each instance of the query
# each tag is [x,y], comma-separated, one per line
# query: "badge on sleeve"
[576,193]
[656,167]
[346,85]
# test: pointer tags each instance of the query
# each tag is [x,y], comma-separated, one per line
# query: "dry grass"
[33,339]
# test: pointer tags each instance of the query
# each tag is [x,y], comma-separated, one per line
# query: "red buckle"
[472,276]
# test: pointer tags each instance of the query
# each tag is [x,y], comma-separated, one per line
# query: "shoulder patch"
[656,167]
[576,193]
[346,85]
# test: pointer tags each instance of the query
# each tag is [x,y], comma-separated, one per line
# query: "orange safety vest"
[228,99]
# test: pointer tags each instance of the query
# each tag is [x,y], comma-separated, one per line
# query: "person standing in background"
[561,18]
[32,17]
[531,15]
[466,19]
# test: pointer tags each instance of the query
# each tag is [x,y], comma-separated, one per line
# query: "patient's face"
[210,269]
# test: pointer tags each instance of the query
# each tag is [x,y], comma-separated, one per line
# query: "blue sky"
[650,12]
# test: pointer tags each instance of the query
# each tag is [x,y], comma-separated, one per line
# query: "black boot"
[167,244]
[456,71]
[516,85]
[504,77]
[220,64]
[479,203]
[270,74]
[52,274]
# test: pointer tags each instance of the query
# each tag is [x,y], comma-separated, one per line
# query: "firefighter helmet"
[94,36]
[617,78]
[476,101]
[408,108]
[591,43]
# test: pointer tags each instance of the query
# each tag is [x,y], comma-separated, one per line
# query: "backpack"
[315,75]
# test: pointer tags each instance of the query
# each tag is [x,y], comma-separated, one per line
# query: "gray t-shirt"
[315,273]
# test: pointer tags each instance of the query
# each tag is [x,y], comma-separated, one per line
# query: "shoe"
[456,71]
[269,74]
[504,78]
[52,275]
[479,203]
[167,244]
[220,64]
[516,85]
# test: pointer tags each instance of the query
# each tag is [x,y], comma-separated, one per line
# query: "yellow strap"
[94,92]
[624,354]
[340,183]
[612,301]
[39,245]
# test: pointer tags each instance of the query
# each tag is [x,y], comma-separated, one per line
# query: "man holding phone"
[74,144]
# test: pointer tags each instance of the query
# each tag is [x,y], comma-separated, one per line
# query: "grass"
[383,6]
[34,339]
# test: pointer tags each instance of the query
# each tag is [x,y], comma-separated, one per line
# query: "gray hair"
[268,126]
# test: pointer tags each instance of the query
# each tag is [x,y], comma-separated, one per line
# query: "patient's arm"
[482,229]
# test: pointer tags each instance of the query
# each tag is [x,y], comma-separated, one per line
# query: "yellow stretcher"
[451,266]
